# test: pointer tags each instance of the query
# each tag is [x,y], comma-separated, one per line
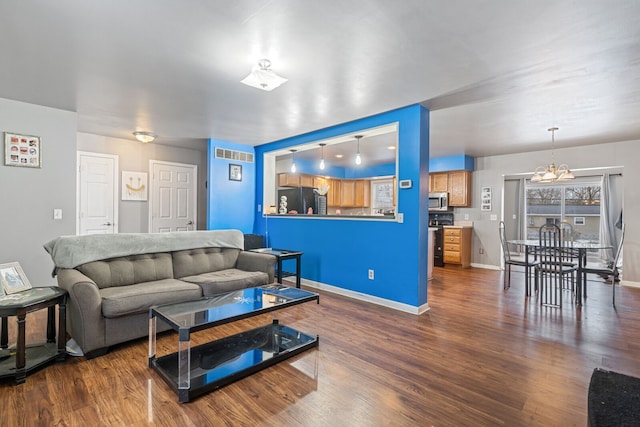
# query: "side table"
[28,358]
[281,255]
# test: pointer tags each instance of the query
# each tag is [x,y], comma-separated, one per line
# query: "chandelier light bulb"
[358,158]
[322,156]
[293,161]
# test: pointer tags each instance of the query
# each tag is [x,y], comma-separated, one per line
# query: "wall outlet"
[494,217]
[57,214]
[259,208]
[466,217]
[400,217]
[371,275]
[481,251]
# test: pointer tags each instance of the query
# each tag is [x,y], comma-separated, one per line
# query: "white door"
[97,193]
[173,198]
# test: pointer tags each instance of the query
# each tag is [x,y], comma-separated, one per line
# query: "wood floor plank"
[481,356]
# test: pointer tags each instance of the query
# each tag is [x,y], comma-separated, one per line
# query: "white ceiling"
[495,73]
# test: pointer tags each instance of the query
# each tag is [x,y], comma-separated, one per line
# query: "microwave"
[438,202]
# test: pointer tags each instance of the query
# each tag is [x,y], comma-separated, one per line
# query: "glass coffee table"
[198,370]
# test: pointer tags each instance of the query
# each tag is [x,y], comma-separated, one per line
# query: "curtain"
[607,219]
[522,215]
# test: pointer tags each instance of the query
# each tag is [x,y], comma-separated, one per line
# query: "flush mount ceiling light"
[262,77]
[358,158]
[293,161]
[552,173]
[144,137]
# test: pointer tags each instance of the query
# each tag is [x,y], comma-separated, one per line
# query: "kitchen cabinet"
[296,180]
[288,180]
[459,188]
[457,246]
[456,183]
[333,196]
[438,182]
[354,193]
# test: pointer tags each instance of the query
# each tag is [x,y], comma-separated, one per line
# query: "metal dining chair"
[552,268]
[610,269]
[510,260]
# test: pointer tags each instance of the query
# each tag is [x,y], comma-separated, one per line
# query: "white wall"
[134,157]
[490,171]
[29,195]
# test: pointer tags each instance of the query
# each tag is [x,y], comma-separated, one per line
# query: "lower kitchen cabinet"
[457,246]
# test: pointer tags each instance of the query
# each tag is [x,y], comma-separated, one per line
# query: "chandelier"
[552,173]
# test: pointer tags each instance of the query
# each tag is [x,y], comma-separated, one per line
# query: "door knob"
[108,224]
[190,222]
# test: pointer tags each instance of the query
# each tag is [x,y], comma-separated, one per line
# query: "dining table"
[576,249]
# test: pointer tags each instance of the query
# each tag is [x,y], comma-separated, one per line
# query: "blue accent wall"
[452,163]
[230,203]
[340,252]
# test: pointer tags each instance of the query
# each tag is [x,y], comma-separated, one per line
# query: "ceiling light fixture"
[322,158]
[144,137]
[358,158]
[552,173]
[293,161]
[262,77]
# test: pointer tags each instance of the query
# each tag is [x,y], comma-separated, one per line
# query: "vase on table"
[322,205]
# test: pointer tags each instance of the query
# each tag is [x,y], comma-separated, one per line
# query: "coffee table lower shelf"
[221,362]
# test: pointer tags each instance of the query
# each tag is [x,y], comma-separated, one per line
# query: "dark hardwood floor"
[481,356]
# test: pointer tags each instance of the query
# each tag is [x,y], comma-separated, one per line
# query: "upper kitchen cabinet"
[456,183]
[438,182]
[355,193]
[288,180]
[459,188]
[296,180]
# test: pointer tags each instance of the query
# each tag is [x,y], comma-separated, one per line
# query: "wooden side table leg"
[20,356]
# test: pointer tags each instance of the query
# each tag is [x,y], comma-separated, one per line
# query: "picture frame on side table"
[22,150]
[235,172]
[13,278]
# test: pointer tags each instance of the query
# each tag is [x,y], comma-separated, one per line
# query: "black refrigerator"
[297,199]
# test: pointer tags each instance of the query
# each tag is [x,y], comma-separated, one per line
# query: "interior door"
[97,193]
[173,198]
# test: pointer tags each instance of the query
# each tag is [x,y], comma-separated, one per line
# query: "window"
[574,205]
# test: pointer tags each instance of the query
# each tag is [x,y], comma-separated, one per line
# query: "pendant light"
[322,158]
[293,161]
[358,158]
[552,173]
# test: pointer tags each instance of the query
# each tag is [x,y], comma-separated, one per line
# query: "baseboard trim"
[486,266]
[367,298]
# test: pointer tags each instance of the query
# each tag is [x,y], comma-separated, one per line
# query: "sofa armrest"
[85,322]
[255,261]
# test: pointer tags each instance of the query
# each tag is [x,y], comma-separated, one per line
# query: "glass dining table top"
[575,244]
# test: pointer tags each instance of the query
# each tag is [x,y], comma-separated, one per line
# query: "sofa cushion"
[124,300]
[228,280]
[204,260]
[129,270]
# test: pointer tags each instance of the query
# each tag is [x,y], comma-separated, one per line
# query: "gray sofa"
[113,280]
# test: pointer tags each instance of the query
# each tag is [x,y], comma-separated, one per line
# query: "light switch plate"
[57,214]
[494,217]
[400,217]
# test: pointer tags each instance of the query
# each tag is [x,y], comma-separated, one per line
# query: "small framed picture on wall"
[485,199]
[22,150]
[235,172]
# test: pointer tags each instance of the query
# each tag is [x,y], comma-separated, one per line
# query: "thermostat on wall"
[406,183]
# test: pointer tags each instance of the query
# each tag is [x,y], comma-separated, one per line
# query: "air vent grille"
[240,156]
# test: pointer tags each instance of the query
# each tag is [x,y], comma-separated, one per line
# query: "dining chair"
[510,259]
[610,269]
[552,268]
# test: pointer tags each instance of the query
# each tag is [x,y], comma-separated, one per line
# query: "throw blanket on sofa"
[72,251]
